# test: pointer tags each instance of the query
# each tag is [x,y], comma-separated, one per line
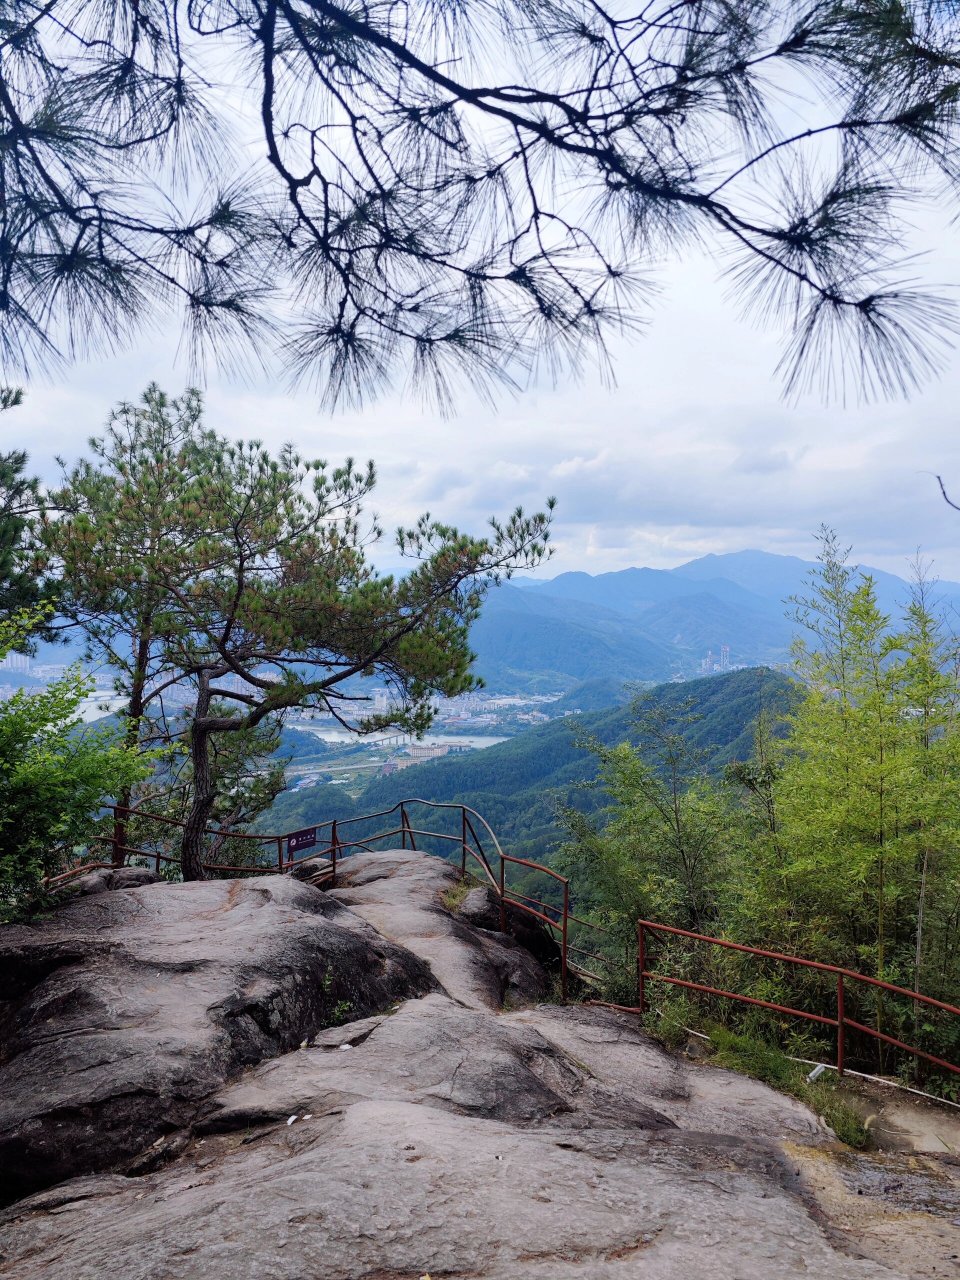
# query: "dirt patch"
[897,1209]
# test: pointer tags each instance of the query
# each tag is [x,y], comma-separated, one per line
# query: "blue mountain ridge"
[636,624]
[643,624]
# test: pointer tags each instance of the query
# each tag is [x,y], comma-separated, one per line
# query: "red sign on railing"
[297,841]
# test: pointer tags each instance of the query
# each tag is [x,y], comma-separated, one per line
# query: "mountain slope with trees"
[517,785]
[838,839]
[534,642]
[648,624]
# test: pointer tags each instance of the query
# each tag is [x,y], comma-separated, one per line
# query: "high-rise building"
[15,662]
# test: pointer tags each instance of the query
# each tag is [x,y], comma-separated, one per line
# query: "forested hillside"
[532,641]
[517,785]
[648,624]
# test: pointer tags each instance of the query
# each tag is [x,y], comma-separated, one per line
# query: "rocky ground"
[172,1080]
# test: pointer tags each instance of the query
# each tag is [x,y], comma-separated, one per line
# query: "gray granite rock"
[401,893]
[124,1011]
[445,1136]
[105,879]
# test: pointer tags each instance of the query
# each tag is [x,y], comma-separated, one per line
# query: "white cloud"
[693,451]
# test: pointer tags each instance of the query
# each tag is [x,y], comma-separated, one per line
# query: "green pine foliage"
[838,838]
[243,577]
[20,586]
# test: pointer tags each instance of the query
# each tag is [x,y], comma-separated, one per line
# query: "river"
[331,734]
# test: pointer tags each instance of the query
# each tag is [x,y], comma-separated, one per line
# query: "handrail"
[472,824]
[801,960]
[472,846]
[840,1021]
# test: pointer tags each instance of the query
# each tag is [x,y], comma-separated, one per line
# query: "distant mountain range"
[637,624]
[652,624]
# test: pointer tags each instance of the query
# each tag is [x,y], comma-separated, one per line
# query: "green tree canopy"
[54,776]
[473,189]
[191,559]
[19,503]
[839,840]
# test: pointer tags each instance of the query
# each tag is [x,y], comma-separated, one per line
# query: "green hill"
[517,784]
[532,641]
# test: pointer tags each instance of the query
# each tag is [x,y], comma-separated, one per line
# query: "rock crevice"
[431,1133]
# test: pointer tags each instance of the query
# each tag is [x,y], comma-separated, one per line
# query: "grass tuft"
[766,1063]
[453,897]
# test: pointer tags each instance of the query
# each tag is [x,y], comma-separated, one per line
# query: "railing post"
[841,1032]
[403,825]
[641,966]
[563,943]
[463,841]
[280,852]
[333,852]
[503,897]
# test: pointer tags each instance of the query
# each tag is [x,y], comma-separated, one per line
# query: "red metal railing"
[331,841]
[326,841]
[841,1021]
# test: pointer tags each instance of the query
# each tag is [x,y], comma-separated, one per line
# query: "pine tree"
[193,560]
[19,504]
[444,190]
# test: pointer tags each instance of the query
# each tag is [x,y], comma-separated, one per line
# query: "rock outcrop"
[445,1136]
[121,1014]
[399,894]
[106,878]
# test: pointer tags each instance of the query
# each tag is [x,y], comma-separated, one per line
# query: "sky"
[692,451]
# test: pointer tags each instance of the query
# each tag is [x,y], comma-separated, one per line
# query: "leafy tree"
[111,534]
[19,500]
[870,771]
[842,786]
[281,608]
[54,775]
[248,770]
[864,792]
[931,826]
[193,561]
[661,852]
[467,189]
[845,845]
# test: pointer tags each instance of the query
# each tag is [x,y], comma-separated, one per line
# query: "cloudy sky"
[692,451]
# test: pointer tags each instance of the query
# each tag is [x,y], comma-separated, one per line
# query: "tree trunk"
[135,709]
[204,792]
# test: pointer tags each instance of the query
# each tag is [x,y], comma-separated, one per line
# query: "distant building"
[710,665]
[426,750]
[16,662]
[48,670]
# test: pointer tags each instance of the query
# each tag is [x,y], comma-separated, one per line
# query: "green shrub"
[54,776]
[765,1062]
